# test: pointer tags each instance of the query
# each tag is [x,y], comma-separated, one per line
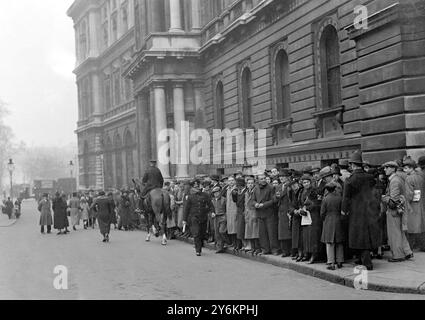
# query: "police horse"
[156,210]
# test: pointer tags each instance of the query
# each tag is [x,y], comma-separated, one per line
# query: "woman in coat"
[333,234]
[85,208]
[311,232]
[231,212]
[60,215]
[124,212]
[104,214]
[296,230]
[74,206]
[284,227]
[46,219]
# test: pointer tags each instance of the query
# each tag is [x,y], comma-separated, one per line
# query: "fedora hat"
[409,162]
[356,158]
[390,164]
[325,172]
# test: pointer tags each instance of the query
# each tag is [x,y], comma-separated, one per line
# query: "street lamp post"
[71,168]
[11,168]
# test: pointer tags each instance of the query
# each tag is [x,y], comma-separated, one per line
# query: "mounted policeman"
[155,201]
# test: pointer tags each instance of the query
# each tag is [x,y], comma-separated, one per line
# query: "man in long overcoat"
[363,209]
[284,226]
[414,191]
[44,207]
[60,216]
[104,214]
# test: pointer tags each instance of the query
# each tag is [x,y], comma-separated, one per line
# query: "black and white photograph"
[211,155]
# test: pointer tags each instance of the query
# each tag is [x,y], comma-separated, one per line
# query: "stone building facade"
[323,78]
[107,137]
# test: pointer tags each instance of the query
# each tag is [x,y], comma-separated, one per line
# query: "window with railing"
[107,94]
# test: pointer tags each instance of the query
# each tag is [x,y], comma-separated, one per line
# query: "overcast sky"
[37,57]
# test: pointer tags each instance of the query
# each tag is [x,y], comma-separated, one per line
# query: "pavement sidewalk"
[401,277]
[5,222]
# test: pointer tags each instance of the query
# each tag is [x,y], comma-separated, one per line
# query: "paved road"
[129,268]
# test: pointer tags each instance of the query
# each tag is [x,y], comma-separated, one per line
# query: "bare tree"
[5,140]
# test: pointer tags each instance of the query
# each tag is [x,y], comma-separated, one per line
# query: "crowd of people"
[62,211]
[347,210]
[11,209]
[350,209]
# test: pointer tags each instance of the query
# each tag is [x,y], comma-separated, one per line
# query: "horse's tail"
[166,205]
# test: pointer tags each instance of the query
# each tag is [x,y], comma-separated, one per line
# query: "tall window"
[219,96]
[124,17]
[86,165]
[83,40]
[129,161]
[109,169]
[331,76]
[107,93]
[85,98]
[117,88]
[283,94]
[118,162]
[114,26]
[105,35]
[246,98]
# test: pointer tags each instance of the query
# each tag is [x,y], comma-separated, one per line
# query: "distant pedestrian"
[219,219]
[104,214]
[46,220]
[74,206]
[9,207]
[60,217]
[124,211]
[84,209]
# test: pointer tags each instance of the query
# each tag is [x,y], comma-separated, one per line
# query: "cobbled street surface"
[130,268]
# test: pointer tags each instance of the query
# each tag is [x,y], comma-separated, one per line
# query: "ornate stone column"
[160,124]
[175,16]
[182,145]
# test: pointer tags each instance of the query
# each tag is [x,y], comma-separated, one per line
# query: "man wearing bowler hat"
[363,210]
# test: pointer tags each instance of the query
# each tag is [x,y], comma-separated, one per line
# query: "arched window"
[129,160]
[83,40]
[246,98]
[331,75]
[283,93]
[86,165]
[109,168]
[118,162]
[219,98]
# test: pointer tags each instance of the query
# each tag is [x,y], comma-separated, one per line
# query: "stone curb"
[347,281]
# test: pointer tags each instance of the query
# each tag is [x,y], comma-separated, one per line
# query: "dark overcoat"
[104,214]
[239,199]
[333,229]
[60,216]
[309,200]
[363,209]
[124,211]
[152,179]
[283,204]
[296,218]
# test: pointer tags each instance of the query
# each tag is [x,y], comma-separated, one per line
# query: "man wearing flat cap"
[415,190]
[362,208]
[396,218]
